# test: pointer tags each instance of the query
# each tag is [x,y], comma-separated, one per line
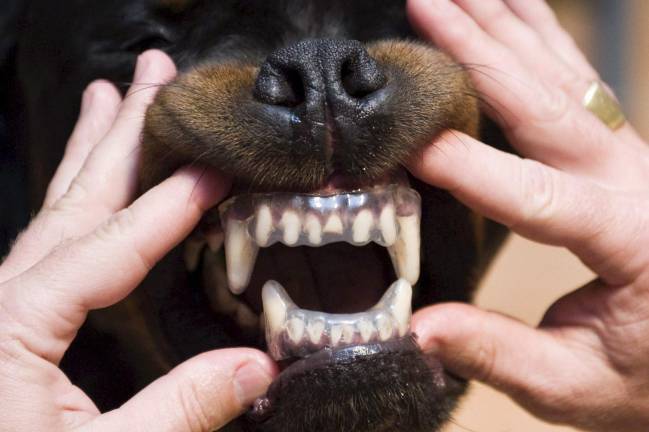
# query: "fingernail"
[251,381]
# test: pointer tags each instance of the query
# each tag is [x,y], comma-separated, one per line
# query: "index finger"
[51,299]
[602,227]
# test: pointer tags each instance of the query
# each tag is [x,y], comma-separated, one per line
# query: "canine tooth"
[295,329]
[313,229]
[366,329]
[264,225]
[384,326]
[276,303]
[405,251]
[192,253]
[334,225]
[347,333]
[399,304]
[336,334]
[315,329]
[388,225]
[362,226]
[290,222]
[240,256]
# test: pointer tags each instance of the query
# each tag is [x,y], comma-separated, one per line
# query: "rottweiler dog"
[325,244]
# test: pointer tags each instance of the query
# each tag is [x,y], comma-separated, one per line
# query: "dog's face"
[313,108]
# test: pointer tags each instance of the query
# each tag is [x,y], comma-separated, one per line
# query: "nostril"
[279,86]
[361,76]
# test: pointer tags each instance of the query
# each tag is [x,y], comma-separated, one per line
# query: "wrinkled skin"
[212,114]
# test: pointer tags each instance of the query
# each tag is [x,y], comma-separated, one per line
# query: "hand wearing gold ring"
[582,182]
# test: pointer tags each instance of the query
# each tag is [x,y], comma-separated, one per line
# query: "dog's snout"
[318,74]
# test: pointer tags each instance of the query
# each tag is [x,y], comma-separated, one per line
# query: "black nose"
[322,81]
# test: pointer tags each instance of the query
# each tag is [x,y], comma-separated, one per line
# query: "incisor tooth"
[295,329]
[240,256]
[384,326]
[314,329]
[347,333]
[276,303]
[362,226]
[388,225]
[313,229]
[366,329]
[336,334]
[334,225]
[264,225]
[405,251]
[290,222]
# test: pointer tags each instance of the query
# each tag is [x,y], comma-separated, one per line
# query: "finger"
[101,268]
[530,365]
[539,16]
[99,106]
[498,20]
[539,202]
[109,176]
[202,394]
[106,182]
[538,119]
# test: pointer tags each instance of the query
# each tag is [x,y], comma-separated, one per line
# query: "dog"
[313,108]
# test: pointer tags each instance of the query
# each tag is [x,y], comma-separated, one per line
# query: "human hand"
[88,248]
[581,185]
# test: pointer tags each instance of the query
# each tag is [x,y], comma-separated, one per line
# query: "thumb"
[202,394]
[489,347]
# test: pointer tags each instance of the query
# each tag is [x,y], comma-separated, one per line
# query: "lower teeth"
[295,332]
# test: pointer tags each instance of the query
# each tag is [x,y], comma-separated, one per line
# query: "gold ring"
[598,101]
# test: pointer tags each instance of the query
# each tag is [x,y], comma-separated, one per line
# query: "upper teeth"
[253,221]
[291,331]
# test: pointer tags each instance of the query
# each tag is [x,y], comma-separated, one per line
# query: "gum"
[357,217]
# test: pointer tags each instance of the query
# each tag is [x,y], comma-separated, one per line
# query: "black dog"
[287,96]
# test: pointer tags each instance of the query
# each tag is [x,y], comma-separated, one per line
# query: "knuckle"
[195,413]
[538,193]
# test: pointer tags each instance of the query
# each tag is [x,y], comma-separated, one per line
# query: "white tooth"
[336,334]
[264,225]
[314,329]
[192,253]
[400,304]
[334,225]
[313,229]
[388,225]
[405,251]
[276,303]
[366,329]
[290,222]
[347,333]
[240,256]
[362,226]
[215,239]
[295,329]
[384,325]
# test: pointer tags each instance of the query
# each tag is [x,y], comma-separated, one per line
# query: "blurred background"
[526,277]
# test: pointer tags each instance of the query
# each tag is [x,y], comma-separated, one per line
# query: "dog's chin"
[367,388]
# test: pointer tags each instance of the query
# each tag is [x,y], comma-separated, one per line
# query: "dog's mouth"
[327,269]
